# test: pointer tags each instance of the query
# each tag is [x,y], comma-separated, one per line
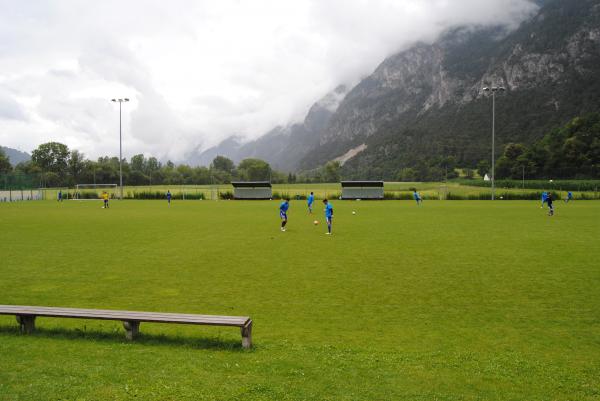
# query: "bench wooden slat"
[131,319]
[107,314]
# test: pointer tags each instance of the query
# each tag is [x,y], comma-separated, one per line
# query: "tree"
[504,167]
[5,166]
[76,165]
[51,157]
[483,167]
[254,170]
[331,171]
[153,167]
[222,163]
[407,174]
[138,163]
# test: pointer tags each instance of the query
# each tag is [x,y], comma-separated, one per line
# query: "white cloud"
[197,71]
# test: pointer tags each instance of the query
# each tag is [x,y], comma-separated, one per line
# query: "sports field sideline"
[461,300]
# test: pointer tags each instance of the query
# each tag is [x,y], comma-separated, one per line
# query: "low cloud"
[197,72]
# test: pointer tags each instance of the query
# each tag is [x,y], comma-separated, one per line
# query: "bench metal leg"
[26,323]
[132,329]
[247,335]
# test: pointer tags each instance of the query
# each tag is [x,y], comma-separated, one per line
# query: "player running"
[311,200]
[417,197]
[105,199]
[283,208]
[569,197]
[550,206]
[544,198]
[328,215]
[169,197]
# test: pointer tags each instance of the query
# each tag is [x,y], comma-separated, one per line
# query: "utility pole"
[120,146]
[494,89]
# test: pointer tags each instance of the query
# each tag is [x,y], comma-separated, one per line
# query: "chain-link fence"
[20,187]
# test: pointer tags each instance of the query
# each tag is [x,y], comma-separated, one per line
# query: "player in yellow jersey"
[105,198]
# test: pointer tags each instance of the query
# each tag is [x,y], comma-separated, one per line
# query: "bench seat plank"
[26,316]
[107,314]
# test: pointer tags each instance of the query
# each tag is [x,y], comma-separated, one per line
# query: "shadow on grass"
[118,336]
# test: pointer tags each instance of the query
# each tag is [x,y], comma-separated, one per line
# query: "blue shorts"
[328,219]
[283,215]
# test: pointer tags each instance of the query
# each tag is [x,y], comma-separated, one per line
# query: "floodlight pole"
[494,89]
[120,147]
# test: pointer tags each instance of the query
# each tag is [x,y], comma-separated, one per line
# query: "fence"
[13,195]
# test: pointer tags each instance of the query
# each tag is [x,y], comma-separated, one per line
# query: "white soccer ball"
[551,180]
[353,212]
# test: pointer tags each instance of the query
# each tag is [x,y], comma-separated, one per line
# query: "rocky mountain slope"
[427,102]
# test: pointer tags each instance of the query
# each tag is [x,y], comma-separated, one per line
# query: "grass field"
[462,300]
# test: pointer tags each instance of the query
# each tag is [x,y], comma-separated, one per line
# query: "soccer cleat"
[328,233]
[282,229]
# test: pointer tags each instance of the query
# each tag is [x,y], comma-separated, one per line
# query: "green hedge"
[162,195]
[564,185]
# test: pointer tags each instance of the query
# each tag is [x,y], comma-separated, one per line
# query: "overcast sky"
[197,71]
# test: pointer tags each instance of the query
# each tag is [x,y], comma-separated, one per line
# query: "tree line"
[569,152]
[54,165]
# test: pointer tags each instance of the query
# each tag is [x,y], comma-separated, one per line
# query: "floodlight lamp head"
[113,100]
[126,99]
[486,89]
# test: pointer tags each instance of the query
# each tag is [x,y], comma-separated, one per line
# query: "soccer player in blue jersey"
[417,197]
[311,200]
[328,215]
[544,198]
[169,197]
[569,197]
[283,208]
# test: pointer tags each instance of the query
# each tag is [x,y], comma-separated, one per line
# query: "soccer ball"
[502,197]
[551,180]
[315,222]
[353,212]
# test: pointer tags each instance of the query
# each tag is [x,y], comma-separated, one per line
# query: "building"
[252,190]
[362,189]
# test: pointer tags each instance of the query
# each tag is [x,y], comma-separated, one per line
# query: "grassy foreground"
[450,301]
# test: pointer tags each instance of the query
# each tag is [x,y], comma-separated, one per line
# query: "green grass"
[461,300]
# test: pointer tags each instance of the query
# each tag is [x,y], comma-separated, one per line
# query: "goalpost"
[94,191]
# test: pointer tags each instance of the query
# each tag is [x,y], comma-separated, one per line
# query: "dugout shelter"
[362,189]
[252,190]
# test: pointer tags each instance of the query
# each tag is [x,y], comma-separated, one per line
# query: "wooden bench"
[131,320]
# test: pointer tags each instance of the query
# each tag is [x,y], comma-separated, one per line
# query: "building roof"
[251,184]
[362,183]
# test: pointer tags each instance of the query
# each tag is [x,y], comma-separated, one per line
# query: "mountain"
[229,147]
[15,156]
[427,102]
[282,147]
